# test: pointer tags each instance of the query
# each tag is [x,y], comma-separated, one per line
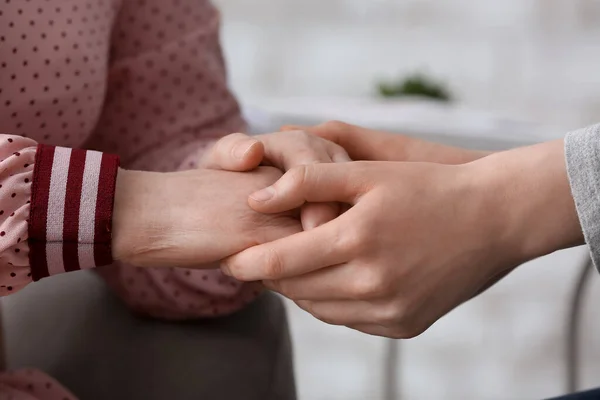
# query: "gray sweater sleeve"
[582,153]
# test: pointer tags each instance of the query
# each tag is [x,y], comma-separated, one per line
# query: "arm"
[419,239]
[168,101]
[371,145]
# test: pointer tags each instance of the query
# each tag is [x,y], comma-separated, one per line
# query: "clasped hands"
[386,244]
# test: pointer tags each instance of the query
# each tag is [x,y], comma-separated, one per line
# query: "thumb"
[235,152]
[315,183]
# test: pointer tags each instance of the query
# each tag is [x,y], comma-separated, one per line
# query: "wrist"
[130,216]
[419,150]
[160,219]
[529,202]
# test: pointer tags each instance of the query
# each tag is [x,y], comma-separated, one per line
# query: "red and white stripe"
[71,210]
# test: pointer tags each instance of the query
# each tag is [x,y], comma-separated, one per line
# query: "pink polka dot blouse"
[86,85]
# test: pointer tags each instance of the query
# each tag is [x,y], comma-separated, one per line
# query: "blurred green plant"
[416,84]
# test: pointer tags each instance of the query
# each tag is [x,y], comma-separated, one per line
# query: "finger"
[338,154]
[317,183]
[337,282]
[300,149]
[341,312]
[235,152]
[286,227]
[360,143]
[317,214]
[294,255]
[376,330]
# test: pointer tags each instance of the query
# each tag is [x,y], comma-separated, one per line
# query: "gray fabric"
[72,327]
[582,153]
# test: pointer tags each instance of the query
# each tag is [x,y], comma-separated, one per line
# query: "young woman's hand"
[418,239]
[372,145]
[329,142]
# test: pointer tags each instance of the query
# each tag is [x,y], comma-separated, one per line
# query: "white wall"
[540,58]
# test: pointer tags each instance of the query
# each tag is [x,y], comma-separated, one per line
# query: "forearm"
[527,193]
[372,145]
[411,149]
[154,221]
[163,221]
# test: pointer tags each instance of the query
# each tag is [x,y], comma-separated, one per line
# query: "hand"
[189,219]
[418,240]
[283,150]
[371,145]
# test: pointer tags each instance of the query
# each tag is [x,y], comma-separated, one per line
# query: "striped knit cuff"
[71,210]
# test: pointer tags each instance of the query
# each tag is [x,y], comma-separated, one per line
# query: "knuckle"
[354,240]
[404,321]
[299,175]
[298,136]
[368,284]
[390,314]
[273,267]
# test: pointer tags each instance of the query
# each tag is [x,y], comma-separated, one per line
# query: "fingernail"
[263,195]
[241,149]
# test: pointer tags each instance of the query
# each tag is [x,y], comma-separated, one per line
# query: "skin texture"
[371,145]
[332,141]
[192,218]
[283,150]
[418,239]
[413,241]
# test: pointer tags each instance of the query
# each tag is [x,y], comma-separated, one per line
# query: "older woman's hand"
[188,219]
[283,150]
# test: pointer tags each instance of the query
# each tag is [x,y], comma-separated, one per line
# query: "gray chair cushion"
[73,328]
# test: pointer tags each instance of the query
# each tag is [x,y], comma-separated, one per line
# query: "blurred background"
[517,72]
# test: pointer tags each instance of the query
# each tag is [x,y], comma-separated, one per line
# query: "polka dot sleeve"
[17,155]
[55,210]
[167,101]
